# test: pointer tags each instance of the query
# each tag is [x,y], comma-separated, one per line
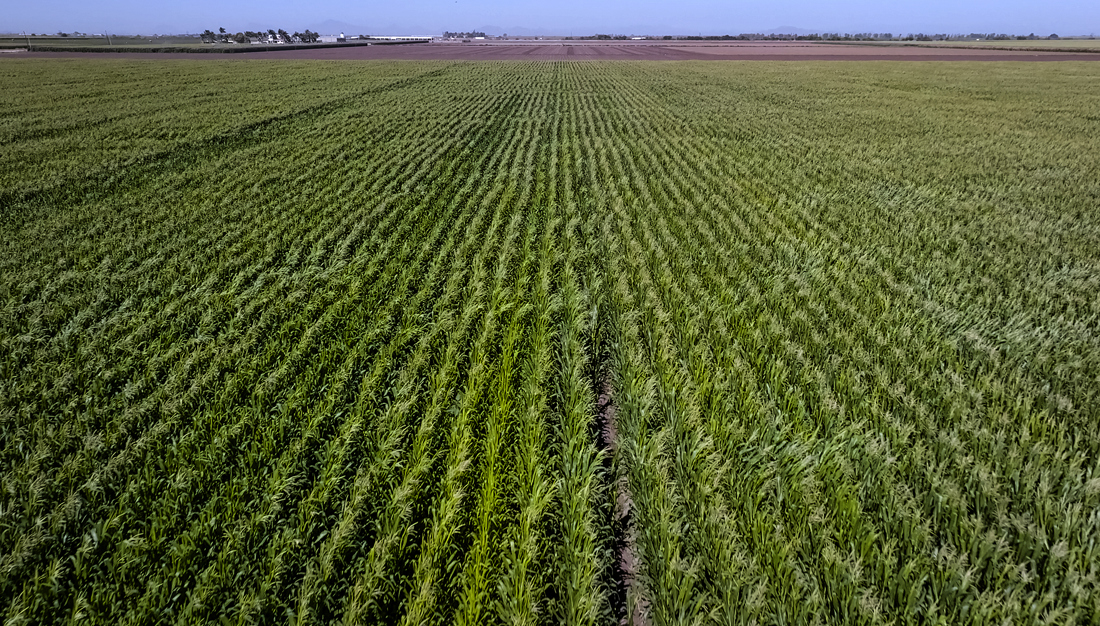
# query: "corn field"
[541,343]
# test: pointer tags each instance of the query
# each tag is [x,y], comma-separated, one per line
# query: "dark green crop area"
[542,343]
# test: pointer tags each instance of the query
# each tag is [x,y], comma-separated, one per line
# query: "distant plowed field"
[542,343]
[633,51]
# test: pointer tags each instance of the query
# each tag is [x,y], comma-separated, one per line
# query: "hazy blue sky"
[1065,17]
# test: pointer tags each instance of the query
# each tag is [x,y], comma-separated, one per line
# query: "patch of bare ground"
[628,594]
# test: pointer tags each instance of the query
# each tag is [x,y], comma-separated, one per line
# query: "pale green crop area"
[541,343]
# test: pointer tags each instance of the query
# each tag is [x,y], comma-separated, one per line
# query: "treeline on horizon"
[825,37]
[467,35]
[308,36]
[271,35]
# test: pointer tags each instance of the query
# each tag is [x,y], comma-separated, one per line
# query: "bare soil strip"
[656,51]
[633,607]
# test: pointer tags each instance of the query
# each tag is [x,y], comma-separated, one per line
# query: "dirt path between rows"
[627,574]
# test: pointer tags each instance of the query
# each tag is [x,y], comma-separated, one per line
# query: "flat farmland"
[542,342]
[576,50]
[1053,44]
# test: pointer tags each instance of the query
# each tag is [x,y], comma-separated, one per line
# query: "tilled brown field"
[572,50]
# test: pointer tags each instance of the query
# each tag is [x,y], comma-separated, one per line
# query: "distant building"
[400,38]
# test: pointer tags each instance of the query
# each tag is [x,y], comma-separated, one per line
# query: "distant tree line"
[470,35]
[270,36]
[825,37]
[975,37]
[1002,36]
[750,37]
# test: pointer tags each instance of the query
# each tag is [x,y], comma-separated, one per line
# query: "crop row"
[333,356]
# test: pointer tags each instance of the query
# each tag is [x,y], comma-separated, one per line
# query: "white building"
[400,38]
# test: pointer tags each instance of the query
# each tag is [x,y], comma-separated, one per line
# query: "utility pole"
[108,37]
[28,40]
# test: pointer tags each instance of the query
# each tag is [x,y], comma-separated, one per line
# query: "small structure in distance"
[401,38]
